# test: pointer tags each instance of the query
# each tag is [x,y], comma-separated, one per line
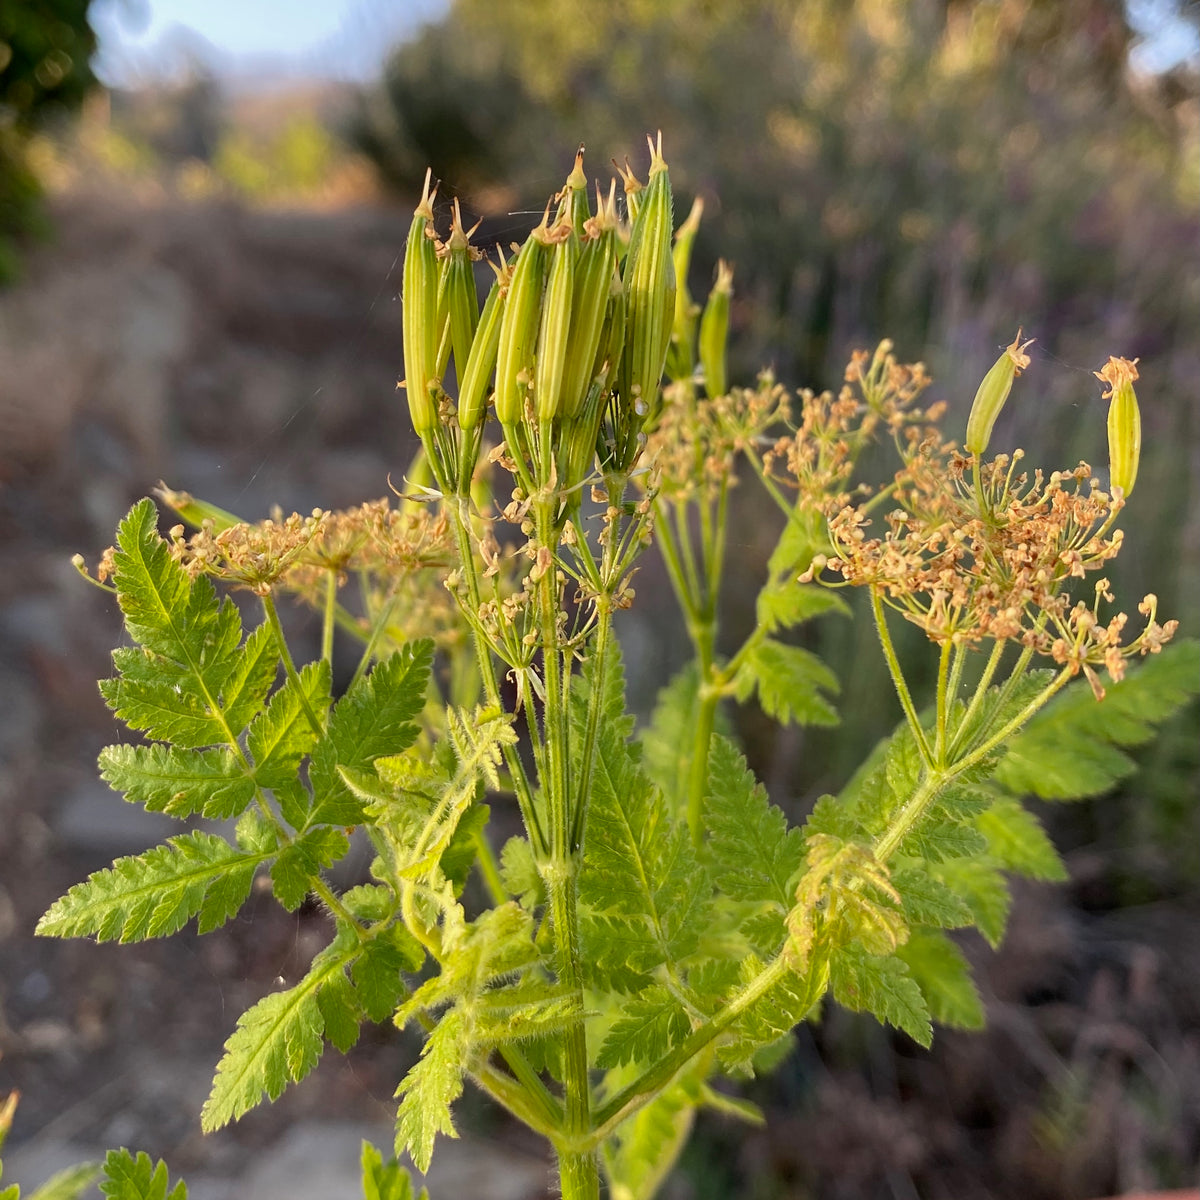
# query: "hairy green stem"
[977,700]
[289,666]
[580,1179]
[708,697]
[487,669]
[329,616]
[943,679]
[652,1081]
[592,730]
[906,701]
[937,777]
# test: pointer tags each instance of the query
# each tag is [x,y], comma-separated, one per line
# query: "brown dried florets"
[253,556]
[969,565]
[696,442]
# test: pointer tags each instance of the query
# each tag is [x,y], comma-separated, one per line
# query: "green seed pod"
[992,394]
[519,325]
[419,302]
[611,352]
[714,331]
[475,371]
[650,288]
[556,323]
[460,298]
[589,304]
[1124,422]
[196,512]
[681,357]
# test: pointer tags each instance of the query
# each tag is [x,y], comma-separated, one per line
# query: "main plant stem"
[579,1174]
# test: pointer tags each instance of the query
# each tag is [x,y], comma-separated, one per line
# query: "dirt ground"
[251,358]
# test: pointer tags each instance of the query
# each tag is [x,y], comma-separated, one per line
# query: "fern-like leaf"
[429,1089]
[171,687]
[129,1178]
[281,735]
[385,1180]
[1075,746]
[277,1041]
[791,683]
[374,718]
[883,986]
[668,740]
[942,974]
[1017,841]
[212,782]
[646,892]
[753,853]
[158,892]
[651,1023]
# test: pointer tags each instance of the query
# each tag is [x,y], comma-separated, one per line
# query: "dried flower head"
[996,564]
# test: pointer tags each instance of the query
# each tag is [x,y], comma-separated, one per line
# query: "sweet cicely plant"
[658,925]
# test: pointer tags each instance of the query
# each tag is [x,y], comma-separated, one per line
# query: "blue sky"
[346,37]
[349,38]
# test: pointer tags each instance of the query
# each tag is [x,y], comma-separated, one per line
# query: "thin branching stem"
[901,685]
[289,666]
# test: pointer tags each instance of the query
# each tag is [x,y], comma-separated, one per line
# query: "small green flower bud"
[556,323]
[419,301]
[649,278]
[714,331]
[1124,422]
[475,371]
[681,357]
[992,394]
[519,325]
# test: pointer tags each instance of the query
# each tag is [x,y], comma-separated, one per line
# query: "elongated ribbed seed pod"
[714,331]
[556,323]
[419,302]
[519,325]
[649,278]
[1124,422]
[476,372]
[460,296]
[611,353]
[992,394]
[590,303]
[681,357]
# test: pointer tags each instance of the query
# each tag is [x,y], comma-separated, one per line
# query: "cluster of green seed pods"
[573,340]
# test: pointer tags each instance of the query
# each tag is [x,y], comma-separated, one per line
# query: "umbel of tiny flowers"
[993,560]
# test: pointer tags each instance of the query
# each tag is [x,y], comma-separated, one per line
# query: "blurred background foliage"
[45,72]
